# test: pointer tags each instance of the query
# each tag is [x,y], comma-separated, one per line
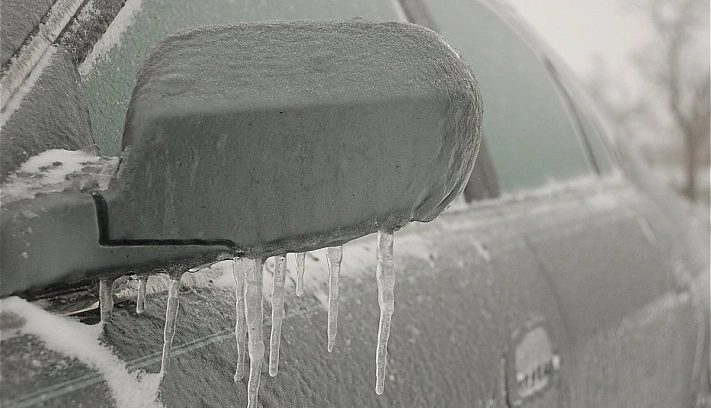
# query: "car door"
[631,331]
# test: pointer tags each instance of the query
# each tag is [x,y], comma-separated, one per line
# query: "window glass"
[530,134]
[589,121]
[483,183]
[109,81]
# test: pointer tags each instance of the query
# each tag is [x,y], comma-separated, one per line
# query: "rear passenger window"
[531,138]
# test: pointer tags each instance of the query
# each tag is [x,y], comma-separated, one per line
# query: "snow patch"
[59,170]
[74,339]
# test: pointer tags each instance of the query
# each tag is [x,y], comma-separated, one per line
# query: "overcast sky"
[581,29]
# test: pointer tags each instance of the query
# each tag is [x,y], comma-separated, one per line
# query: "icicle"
[239,270]
[171,313]
[141,300]
[300,267]
[254,316]
[106,299]
[334,256]
[385,275]
[277,313]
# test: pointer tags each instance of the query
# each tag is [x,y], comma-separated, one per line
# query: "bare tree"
[685,88]
[675,68]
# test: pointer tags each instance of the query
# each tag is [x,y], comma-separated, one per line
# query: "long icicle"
[300,268]
[171,313]
[385,275]
[141,299]
[334,256]
[106,299]
[277,313]
[254,315]
[239,271]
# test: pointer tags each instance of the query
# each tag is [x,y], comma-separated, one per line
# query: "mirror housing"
[283,137]
[257,139]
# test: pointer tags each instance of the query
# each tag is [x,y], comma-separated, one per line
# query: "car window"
[531,137]
[109,79]
[483,183]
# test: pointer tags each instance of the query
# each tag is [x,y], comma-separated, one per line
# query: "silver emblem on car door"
[531,364]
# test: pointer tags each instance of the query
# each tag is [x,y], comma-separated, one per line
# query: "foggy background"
[647,63]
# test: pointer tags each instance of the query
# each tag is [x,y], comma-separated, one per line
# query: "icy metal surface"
[19,19]
[49,111]
[375,125]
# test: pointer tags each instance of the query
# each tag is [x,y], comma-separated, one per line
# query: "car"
[564,275]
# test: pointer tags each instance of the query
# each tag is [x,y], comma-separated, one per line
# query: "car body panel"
[466,282]
[52,113]
[456,308]
[618,297]
[20,18]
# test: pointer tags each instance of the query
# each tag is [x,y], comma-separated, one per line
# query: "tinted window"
[531,137]
[109,83]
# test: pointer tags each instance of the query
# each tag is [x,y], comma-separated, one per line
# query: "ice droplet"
[277,313]
[239,270]
[171,313]
[141,300]
[254,315]
[300,267]
[334,256]
[106,299]
[385,275]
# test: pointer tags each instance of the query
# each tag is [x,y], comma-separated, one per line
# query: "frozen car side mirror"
[280,137]
[259,139]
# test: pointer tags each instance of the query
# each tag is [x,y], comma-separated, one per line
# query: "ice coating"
[300,268]
[254,317]
[334,256]
[239,270]
[171,313]
[106,299]
[385,275]
[337,179]
[277,313]
[249,91]
[141,298]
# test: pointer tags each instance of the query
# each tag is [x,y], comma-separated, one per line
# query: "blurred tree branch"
[677,73]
